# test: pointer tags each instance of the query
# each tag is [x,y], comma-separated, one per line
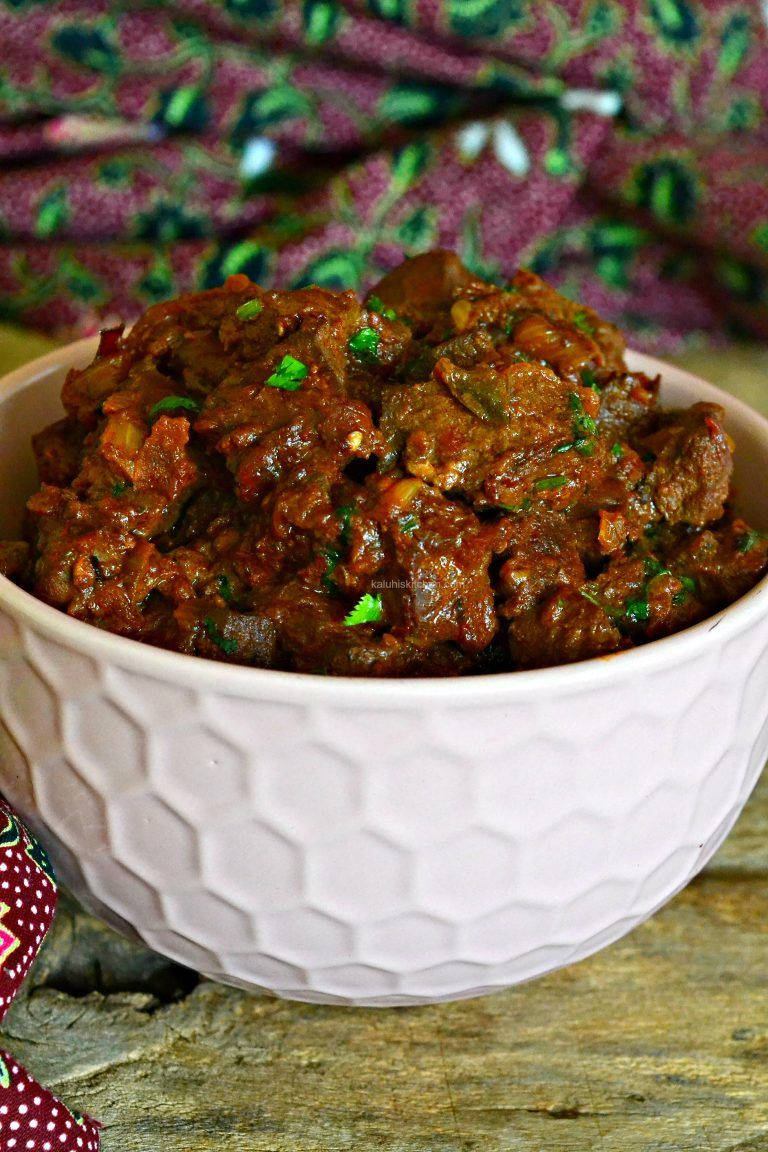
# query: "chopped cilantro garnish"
[589,592]
[524,506]
[548,482]
[368,610]
[288,375]
[654,568]
[332,557]
[582,322]
[617,451]
[747,542]
[225,588]
[213,632]
[170,404]
[375,305]
[583,424]
[119,488]
[365,344]
[638,611]
[585,447]
[689,588]
[345,514]
[589,380]
[408,524]
[250,309]
[564,448]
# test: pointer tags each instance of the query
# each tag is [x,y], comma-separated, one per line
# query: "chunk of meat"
[691,466]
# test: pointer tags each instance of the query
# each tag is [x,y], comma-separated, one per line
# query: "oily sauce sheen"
[449,478]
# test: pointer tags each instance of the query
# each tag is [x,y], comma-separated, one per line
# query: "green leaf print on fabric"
[115,173]
[261,110]
[667,189]
[418,103]
[614,244]
[53,213]
[484,17]
[157,282]
[408,164]
[260,10]
[675,22]
[742,280]
[89,46]
[418,230]
[734,44]
[335,270]
[321,20]
[245,256]
[603,19]
[167,222]
[760,235]
[81,282]
[182,109]
[397,11]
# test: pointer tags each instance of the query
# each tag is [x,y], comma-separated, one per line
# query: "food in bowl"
[451,477]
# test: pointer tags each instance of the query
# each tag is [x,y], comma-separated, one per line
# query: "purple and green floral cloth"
[618,148]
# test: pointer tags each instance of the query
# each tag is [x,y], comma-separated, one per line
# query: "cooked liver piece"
[453,477]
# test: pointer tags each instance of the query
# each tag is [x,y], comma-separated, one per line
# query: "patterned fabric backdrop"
[618,148]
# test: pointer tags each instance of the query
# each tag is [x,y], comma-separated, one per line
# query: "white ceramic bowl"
[375,842]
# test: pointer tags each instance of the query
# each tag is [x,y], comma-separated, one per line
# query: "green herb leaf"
[654,568]
[119,488]
[548,482]
[617,451]
[288,375]
[368,610]
[589,380]
[747,542]
[585,447]
[582,322]
[225,588]
[375,304]
[408,524]
[638,611]
[345,514]
[524,506]
[171,404]
[213,632]
[583,424]
[332,558]
[365,344]
[589,592]
[689,588]
[250,309]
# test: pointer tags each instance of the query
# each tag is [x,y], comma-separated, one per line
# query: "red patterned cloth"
[618,147]
[31,1118]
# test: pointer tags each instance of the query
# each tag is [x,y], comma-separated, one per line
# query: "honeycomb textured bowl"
[378,843]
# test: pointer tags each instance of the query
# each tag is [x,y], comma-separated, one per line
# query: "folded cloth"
[618,148]
[31,1118]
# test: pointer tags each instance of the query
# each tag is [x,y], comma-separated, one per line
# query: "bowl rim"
[266,683]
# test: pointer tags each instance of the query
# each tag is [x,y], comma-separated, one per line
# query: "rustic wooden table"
[657,1044]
